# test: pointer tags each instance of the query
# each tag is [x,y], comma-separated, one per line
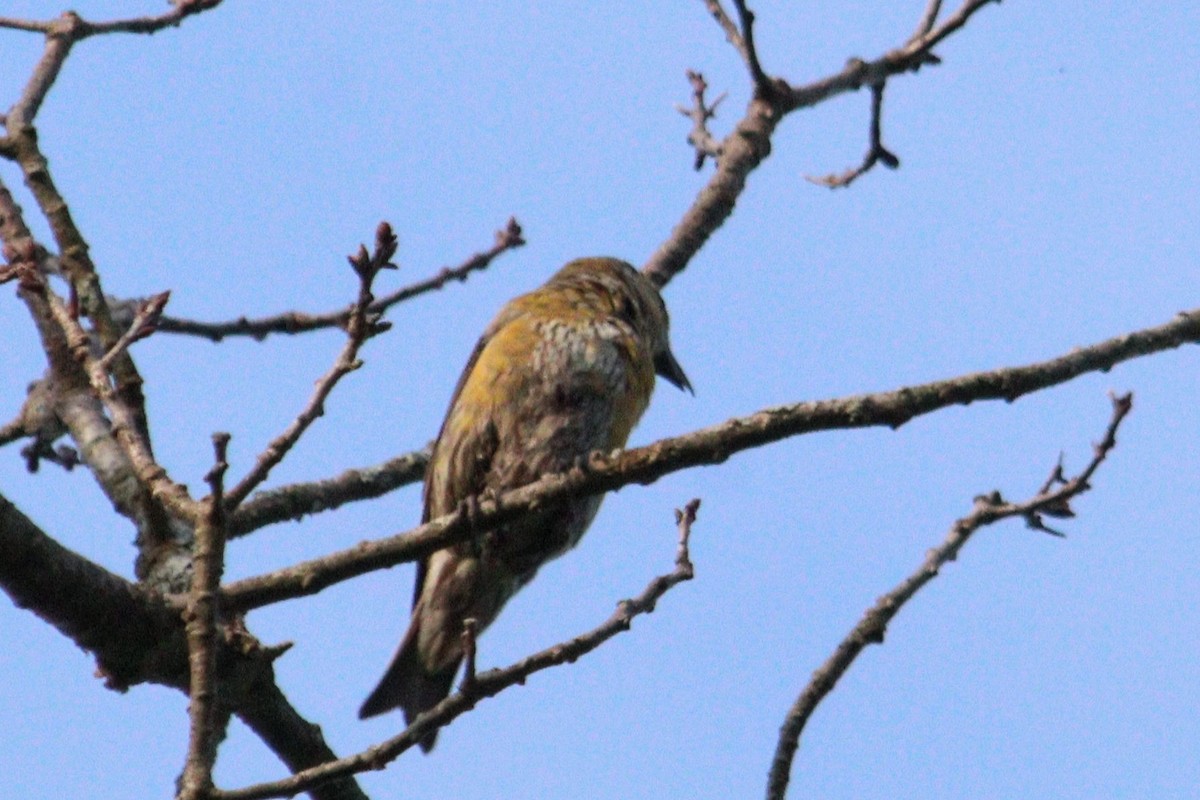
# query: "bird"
[560,372]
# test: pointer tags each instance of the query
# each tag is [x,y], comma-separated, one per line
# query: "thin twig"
[876,152]
[928,20]
[148,313]
[746,17]
[298,500]
[146,25]
[489,683]
[705,144]
[732,34]
[360,326]
[712,445]
[988,509]
[293,322]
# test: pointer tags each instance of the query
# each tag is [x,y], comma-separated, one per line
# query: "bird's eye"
[627,309]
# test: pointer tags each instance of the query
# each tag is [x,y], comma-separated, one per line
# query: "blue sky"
[1046,200]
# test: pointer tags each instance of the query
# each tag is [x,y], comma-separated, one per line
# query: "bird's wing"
[463,462]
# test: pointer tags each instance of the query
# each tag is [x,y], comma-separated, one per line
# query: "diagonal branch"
[989,509]
[130,434]
[136,638]
[713,445]
[360,326]
[928,20]
[762,82]
[21,145]
[126,627]
[732,34]
[750,142]
[60,37]
[489,684]
[297,742]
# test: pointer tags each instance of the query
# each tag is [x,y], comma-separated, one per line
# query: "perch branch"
[713,445]
[488,684]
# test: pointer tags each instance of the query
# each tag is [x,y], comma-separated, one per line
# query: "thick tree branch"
[713,445]
[131,633]
[1053,499]
[490,683]
[136,638]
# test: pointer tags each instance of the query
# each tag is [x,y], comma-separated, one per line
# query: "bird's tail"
[407,684]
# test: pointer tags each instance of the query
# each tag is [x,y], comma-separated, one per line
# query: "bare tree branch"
[488,684]
[732,34]
[1054,496]
[130,435]
[700,113]
[750,142]
[928,20]
[876,152]
[59,39]
[713,445]
[21,145]
[82,29]
[68,396]
[126,627]
[137,638]
[360,326]
[298,742]
[201,618]
[293,322]
[143,324]
[298,500]
[762,83]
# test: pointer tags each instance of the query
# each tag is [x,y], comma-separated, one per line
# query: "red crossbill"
[560,372]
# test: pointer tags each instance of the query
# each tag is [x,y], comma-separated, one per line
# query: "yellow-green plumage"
[561,371]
